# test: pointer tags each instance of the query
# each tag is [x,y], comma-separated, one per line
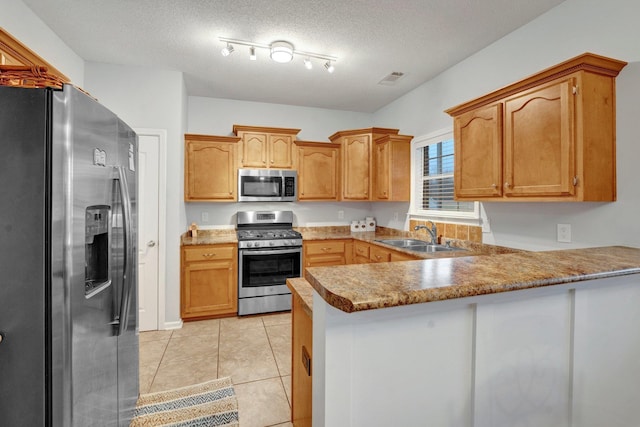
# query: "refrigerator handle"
[127,281]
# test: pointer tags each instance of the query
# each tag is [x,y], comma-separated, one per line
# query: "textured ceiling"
[370,38]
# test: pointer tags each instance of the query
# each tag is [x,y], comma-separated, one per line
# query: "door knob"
[151,243]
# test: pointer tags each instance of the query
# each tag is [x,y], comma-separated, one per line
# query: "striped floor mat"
[212,403]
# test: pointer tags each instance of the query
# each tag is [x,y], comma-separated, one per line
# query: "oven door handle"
[271,251]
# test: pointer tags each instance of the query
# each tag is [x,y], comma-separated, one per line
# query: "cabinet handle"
[271,161]
[208,255]
[378,257]
[506,184]
[575,181]
[494,186]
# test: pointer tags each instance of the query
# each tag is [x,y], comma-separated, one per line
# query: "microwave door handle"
[127,282]
[271,251]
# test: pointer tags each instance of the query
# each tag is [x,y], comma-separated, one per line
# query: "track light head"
[227,50]
[252,53]
[307,64]
[329,66]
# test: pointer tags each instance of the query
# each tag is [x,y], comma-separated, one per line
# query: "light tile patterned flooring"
[254,351]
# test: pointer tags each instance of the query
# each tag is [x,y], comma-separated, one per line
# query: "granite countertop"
[302,288]
[210,237]
[220,236]
[360,287]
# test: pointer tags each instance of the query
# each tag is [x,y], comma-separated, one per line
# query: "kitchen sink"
[418,245]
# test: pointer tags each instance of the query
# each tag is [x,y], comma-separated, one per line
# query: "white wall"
[217,116]
[17,19]
[154,99]
[576,26]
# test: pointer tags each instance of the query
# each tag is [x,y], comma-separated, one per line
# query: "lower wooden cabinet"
[361,252]
[209,285]
[322,253]
[301,364]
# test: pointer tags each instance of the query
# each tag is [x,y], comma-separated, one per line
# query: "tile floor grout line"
[159,363]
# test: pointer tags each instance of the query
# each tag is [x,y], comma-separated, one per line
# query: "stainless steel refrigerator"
[68,270]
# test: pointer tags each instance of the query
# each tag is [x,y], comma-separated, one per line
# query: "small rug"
[212,403]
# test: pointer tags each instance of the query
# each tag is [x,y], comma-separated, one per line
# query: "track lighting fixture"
[280,51]
[329,66]
[227,50]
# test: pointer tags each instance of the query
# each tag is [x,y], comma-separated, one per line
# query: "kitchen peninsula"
[531,339]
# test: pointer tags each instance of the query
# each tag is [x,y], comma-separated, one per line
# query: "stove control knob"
[249,244]
[272,243]
[256,244]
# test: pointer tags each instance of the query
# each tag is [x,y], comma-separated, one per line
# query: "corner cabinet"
[265,147]
[318,167]
[210,168]
[209,285]
[358,166]
[550,137]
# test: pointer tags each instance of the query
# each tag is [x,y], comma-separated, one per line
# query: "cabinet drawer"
[361,249]
[325,260]
[207,253]
[377,254]
[325,247]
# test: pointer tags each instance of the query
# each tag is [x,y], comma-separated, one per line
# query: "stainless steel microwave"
[267,185]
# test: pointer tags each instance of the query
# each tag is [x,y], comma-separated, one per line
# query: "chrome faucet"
[433,232]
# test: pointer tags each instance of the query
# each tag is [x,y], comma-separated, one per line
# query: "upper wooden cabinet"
[358,175]
[21,66]
[210,168]
[478,152]
[318,167]
[265,147]
[392,160]
[549,137]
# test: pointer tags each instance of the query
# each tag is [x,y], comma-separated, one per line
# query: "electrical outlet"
[564,233]
[205,216]
[340,214]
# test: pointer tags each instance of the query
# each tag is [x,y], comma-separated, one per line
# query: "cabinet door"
[209,289]
[254,150]
[478,153]
[382,170]
[361,253]
[280,151]
[356,167]
[540,141]
[317,173]
[210,171]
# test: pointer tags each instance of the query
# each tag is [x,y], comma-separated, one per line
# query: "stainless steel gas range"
[269,252]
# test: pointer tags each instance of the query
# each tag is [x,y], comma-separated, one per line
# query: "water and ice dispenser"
[97,249]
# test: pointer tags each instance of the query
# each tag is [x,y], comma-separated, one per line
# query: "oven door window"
[269,270]
[261,186]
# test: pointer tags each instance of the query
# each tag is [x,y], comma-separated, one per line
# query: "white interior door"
[148,230]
